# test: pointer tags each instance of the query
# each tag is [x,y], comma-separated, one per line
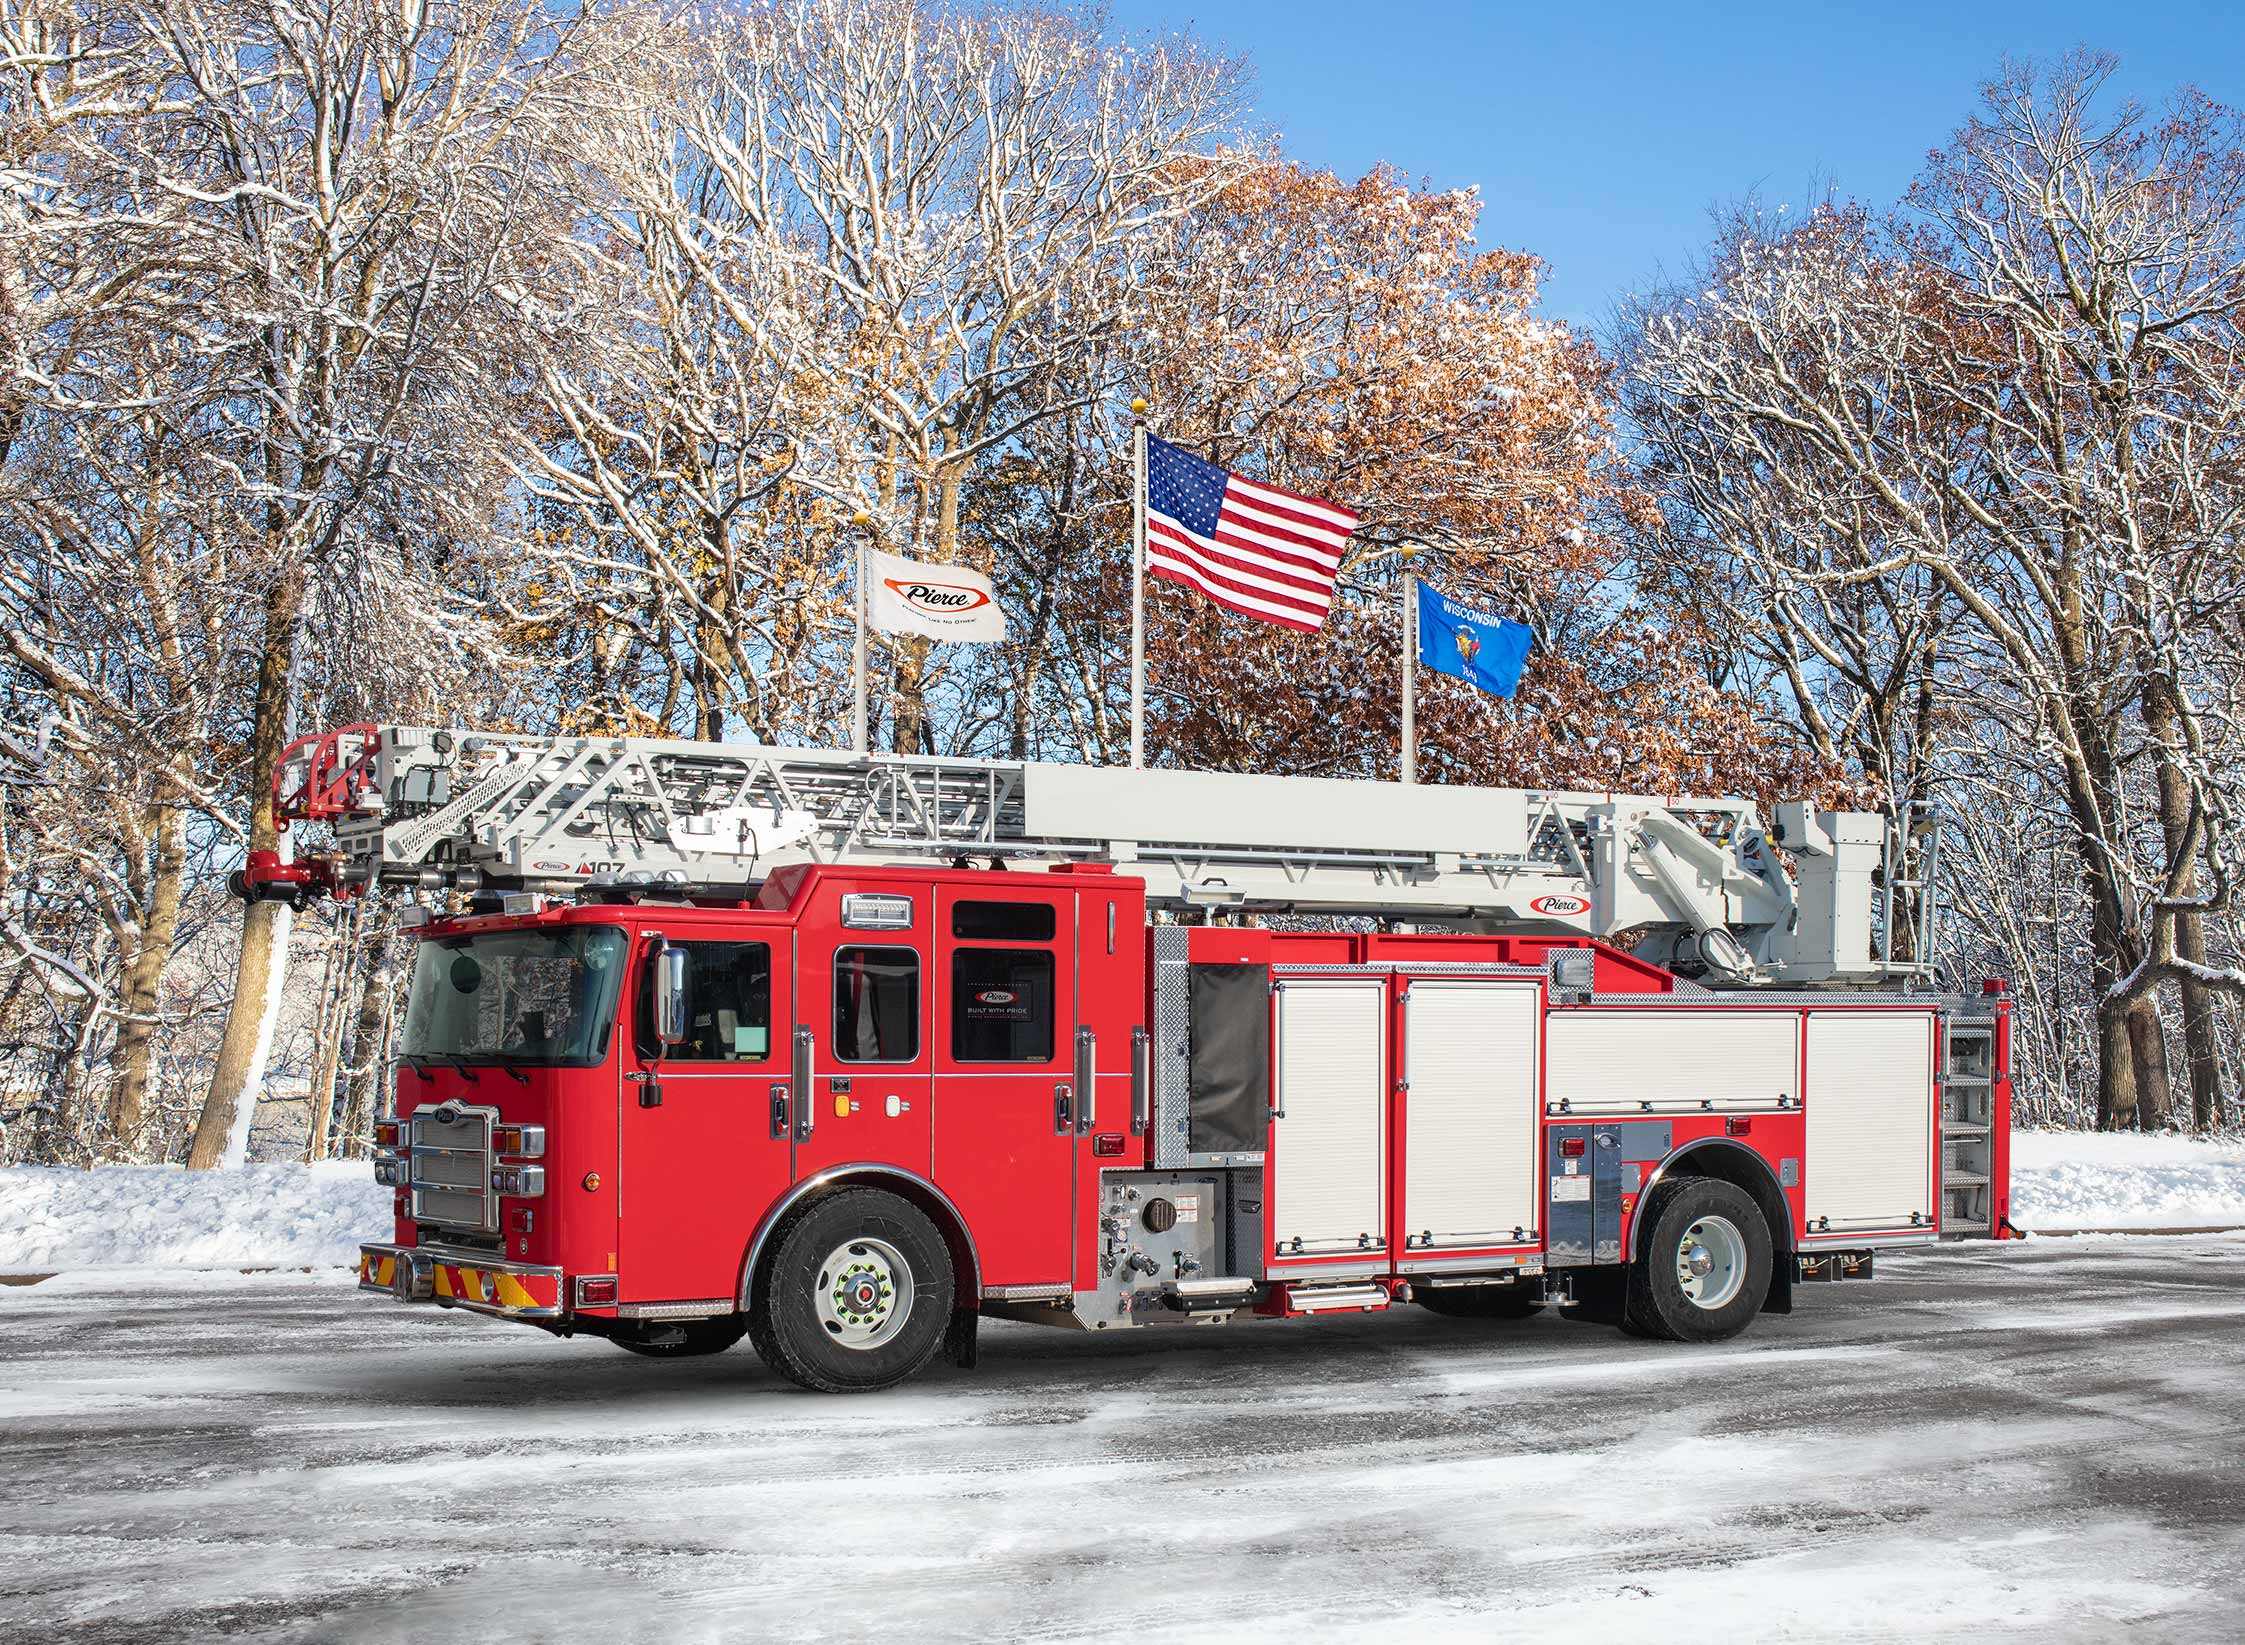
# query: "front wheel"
[856,1295]
[1704,1268]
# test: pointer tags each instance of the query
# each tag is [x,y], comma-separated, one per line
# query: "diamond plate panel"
[1173,1050]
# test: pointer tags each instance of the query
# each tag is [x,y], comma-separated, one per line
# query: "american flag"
[1250,547]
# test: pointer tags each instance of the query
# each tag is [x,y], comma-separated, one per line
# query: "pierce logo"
[1560,906]
[997,996]
[938,599]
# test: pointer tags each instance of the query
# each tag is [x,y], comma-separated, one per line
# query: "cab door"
[861,1036]
[1008,1110]
[703,1130]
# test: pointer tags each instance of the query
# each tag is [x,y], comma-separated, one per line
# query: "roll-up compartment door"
[1328,1170]
[1470,1118]
[1871,1118]
[1672,1060]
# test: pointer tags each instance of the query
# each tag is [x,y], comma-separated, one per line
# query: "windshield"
[516,996]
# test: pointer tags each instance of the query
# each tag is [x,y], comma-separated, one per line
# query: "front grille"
[451,1171]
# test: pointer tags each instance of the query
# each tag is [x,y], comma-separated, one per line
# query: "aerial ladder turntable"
[1810,898]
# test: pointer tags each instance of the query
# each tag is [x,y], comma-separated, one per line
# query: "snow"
[2090,1179]
[1987,1442]
[133,1216]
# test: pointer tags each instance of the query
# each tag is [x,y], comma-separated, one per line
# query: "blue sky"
[1599,136]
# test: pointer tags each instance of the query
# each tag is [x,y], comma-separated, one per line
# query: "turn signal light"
[521,1141]
[387,1133]
[596,1291]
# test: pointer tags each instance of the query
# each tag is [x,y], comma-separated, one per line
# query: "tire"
[1704,1267]
[856,1295]
[1478,1301]
[684,1338]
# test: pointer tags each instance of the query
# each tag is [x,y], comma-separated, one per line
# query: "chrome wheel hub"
[864,1293]
[1711,1262]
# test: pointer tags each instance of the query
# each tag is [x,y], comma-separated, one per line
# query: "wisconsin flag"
[1470,644]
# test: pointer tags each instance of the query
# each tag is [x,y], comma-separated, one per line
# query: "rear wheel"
[1478,1301]
[856,1294]
[1704,1268]
[681,1338]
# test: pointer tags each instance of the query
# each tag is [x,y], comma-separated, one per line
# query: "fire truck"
[843,1053]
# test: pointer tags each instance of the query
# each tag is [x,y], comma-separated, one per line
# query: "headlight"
[519,1181]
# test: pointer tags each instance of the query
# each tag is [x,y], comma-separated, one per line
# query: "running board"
[1208,1296]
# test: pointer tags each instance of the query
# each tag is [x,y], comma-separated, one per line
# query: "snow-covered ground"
[131,1216]
[2076,1179]
[2029,1442]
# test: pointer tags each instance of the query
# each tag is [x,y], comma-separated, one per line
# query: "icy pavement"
[2035,1442]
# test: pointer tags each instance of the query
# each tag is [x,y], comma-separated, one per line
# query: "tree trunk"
[366,1050]
[135,1052]
[2201,1041]
[262,970]
[2147,1042]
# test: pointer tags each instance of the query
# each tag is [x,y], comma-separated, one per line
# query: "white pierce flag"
[943,602]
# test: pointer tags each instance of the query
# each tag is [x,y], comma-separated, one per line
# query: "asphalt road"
[2043,1442]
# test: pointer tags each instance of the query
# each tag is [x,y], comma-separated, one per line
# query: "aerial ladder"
[1810,898]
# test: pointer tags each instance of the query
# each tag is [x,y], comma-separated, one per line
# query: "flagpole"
[1138,585]
[1410,677]
[864,523]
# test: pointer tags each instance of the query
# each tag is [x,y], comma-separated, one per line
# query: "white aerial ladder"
[1709,889]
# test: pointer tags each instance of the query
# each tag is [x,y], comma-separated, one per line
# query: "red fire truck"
[842,1053]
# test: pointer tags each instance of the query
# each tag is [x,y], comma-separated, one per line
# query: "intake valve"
[1160,1216]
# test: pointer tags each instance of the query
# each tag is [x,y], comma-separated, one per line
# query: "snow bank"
[2089,1179]
[129,1216]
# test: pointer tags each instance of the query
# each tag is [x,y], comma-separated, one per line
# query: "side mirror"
[671,1003]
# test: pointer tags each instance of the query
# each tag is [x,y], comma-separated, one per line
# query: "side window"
[1001,1005]
[876,1004]
[729,997]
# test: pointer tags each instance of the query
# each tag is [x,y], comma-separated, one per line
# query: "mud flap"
[961,1344]
[1780,1298]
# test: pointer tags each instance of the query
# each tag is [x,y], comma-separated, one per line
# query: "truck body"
[852,1108]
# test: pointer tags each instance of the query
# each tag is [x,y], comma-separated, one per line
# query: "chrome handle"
[806,1111]
[1087,1080]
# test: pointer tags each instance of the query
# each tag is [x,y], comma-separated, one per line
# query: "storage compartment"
[1470,1114]
[1871,1120]
[1672,1061]
[1328,1167]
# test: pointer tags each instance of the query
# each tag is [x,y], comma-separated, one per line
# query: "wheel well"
[1744,1169]
[966,1267]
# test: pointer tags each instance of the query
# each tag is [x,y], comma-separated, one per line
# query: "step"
[1965,1128]
[1962,1225]
[1963,1179]
[1967,1082]
[1327,1299]
[1208,1296]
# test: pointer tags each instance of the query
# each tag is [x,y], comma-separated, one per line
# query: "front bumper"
[507,1290]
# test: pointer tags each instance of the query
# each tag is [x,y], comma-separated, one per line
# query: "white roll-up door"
[1672,1061]
[1871,1115]
[1471,1114]
[1328,1171]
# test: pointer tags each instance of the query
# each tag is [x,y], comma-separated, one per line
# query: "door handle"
[779,1109]
[1087,1080]
[806,1111]
[1063,1110]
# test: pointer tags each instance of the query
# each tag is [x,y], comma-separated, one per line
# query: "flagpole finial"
[861,519]
[1138,408]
